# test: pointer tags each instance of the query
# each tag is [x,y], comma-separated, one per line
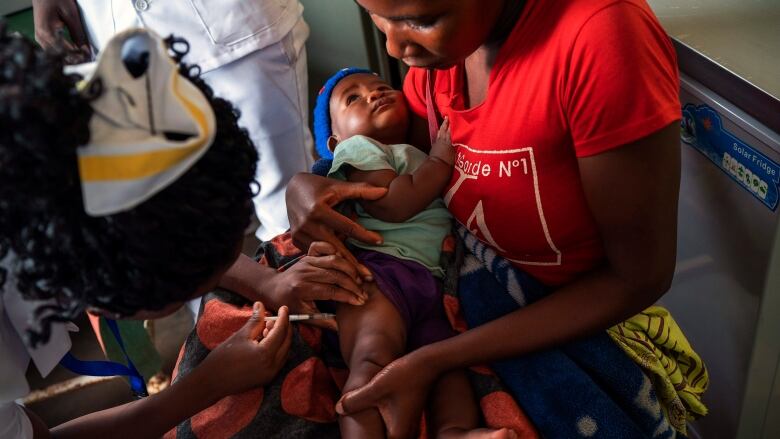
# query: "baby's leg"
[370,336]
[453,411]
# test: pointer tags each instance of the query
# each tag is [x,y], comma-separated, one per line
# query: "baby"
[364,123]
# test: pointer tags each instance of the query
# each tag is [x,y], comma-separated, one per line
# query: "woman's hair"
[159,252]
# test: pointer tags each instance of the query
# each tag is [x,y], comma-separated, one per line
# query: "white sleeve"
[14,423]
[14,358]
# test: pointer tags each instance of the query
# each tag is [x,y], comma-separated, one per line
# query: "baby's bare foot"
[479,433]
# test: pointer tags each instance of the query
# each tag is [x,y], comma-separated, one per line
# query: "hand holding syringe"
[300,317]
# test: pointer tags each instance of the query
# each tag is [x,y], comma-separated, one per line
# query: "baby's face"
[364,104]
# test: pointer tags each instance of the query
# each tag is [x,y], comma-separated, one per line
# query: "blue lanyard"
[109,368]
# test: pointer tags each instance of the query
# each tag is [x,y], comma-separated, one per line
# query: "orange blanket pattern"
[300,401]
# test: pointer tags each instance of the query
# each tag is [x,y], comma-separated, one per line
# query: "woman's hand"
[310,201]
[399,392]
[52,18]
[251,357]
[442,148]
[320,275]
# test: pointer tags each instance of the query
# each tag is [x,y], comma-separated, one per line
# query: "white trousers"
[270,88]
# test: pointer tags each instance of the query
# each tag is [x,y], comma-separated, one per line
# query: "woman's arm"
[247,359]
[148,417]
[320,275]
[310,200]
[51,18]
[632,192]
[409,194]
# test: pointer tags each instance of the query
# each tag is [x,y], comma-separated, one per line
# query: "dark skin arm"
[410,194]
[310,200]
[52,18]
[632,192]
[149,417]
[320,275]
[249,358]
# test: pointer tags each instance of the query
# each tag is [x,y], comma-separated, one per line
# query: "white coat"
[15,316]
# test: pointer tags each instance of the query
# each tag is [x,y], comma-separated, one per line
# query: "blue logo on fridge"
[759,175]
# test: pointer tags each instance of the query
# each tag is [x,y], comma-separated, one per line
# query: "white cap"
[150,124]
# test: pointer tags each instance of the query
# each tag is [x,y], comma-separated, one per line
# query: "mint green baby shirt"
[419,238]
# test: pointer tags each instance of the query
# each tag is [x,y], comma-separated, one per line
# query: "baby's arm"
[410,194]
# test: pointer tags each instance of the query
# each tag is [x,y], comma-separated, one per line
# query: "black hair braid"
[157,253]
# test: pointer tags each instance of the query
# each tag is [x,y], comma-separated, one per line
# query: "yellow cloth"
[653,339]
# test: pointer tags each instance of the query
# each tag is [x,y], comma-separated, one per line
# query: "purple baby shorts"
[416,294]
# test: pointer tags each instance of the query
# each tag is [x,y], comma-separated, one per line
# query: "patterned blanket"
[587,388]
[300,401]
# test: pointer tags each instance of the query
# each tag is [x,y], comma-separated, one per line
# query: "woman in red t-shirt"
[564,115]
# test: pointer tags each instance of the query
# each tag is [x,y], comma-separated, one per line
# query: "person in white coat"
[250,52]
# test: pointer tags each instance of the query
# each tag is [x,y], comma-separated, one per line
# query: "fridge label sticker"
[701,128]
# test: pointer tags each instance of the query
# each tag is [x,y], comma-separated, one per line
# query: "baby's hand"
[442,148]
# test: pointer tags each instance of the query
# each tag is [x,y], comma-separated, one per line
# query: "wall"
[336,39]
[11,6]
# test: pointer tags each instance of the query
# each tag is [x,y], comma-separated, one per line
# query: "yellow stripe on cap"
[141,165]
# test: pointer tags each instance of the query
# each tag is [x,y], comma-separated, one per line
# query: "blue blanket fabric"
[588,388]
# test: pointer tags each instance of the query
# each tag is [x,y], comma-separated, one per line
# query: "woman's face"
[433,33]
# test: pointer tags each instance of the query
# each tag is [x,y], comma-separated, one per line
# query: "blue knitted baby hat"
[322,110]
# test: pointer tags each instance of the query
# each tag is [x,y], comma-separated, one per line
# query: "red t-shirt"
[574,79]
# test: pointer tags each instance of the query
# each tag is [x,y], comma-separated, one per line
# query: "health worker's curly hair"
[154,254]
